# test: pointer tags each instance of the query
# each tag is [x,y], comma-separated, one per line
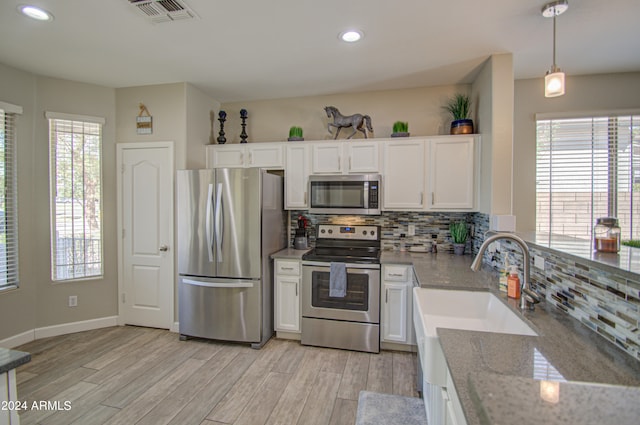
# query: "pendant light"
[554,78]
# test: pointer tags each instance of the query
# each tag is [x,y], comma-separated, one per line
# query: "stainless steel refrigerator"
[229,222]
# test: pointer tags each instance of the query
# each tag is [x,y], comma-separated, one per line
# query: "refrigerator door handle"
[239,284]
[219,226]
[208,223]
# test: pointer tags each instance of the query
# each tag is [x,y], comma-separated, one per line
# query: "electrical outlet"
[411,230]
[73,300]
[538,262]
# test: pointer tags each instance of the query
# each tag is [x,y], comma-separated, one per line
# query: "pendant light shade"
[554,79]
[554,83]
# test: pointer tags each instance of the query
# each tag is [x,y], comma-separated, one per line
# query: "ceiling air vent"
[163,10]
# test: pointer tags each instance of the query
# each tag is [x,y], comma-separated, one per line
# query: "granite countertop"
[497,376]
[11,359]
[289,254]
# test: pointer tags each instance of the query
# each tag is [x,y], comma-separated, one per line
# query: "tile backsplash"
[430,226]
[606,302]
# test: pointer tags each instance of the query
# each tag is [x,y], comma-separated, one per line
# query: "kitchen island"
[9,407]
[497,377]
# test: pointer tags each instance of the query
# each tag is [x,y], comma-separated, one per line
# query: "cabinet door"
[362,157]
[263,155]
[225,156]
[403,175]
[326,158]
[451,174]
[394,315]
[296,176]
[287,309]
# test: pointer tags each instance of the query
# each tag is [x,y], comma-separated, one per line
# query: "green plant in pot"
[459,234]
[459,106]
[295,134]
[400,129]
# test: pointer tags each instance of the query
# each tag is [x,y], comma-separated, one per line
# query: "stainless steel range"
[350,322]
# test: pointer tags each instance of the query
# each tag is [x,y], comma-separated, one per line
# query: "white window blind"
[8,198]
[588,168]
[76,196]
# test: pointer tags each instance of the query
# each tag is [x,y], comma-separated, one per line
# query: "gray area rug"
[388,409]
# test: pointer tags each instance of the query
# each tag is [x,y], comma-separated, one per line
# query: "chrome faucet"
[528,297]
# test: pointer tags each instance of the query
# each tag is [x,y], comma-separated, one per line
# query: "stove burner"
[361,245]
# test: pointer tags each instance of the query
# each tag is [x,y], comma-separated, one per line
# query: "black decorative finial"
[222,117]
[243,116]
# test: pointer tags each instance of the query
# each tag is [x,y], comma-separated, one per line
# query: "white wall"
[492,93]
[583,93]
[39,302]
[270,120]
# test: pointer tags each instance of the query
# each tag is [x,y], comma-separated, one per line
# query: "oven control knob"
[330,231]
[364,232]
[372,233]
[322,231]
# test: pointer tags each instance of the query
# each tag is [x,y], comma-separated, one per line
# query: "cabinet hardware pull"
[395,274]
[350,167]
[421,197]
[296,289]
[287,268]
[305,198]
[433,198]
[386,296]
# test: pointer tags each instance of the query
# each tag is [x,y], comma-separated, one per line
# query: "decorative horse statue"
[357,121]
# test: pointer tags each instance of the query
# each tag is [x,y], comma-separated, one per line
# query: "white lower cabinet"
[396,304]
[287,296]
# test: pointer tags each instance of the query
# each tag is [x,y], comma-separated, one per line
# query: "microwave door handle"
[208,223]
[219,225]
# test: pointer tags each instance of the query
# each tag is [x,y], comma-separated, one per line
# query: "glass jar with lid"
[606,235]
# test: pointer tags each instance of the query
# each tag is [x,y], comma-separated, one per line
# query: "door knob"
[163,248]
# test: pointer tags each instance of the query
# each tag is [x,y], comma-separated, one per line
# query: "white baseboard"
[68,328]
[175,327]
[55,330]
[16,340]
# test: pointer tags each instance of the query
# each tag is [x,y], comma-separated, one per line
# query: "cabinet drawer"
[397,273]
[288,268]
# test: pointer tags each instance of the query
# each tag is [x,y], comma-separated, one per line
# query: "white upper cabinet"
[345,157]
[296,176]
[246,155]
[403,174]
[432,174]
[452,174]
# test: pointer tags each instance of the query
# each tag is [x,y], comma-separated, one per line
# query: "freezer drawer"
[224,309]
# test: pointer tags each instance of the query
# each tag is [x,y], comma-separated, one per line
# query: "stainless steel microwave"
[345,194]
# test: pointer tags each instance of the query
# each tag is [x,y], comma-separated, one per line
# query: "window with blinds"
[8,198]
[76,196]
[588,168]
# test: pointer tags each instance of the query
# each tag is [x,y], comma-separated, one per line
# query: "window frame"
[53,192]
[624,170]
[10,111]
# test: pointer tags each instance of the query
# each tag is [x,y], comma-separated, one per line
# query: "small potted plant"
[459,106]
[459,234]
[400,129]
[295,134]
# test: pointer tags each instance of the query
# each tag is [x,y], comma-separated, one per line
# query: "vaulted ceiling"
[255,49]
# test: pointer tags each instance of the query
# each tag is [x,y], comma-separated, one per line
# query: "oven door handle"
[350,266]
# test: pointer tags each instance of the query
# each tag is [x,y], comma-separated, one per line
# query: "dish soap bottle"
[513,283]
[504,275]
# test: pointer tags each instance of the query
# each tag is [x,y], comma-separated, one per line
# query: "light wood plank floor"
[131,375]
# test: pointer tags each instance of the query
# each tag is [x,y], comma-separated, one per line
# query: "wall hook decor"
[144,124]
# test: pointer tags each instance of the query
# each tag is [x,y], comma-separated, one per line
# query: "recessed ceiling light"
[351,36]
[36,13]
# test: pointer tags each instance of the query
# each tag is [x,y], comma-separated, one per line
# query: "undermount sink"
[467,310]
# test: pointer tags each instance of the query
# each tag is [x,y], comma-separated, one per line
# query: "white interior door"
[146,233]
